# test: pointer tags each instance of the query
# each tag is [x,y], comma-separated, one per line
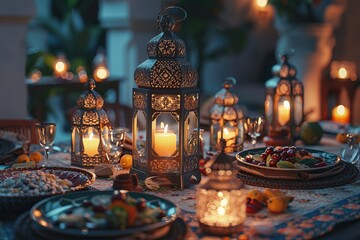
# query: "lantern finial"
[90,84]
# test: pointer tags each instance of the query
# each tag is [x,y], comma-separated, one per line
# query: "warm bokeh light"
[341,114]
[262,3]
[101,73]
[343,73]
[60,67]
[36,76]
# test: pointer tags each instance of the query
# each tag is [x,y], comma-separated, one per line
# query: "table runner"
[311,214]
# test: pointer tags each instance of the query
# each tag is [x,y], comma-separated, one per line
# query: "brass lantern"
[166,111]
[287,107]
[87,123]
[227,119]
[220,200]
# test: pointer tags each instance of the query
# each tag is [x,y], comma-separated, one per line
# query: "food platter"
[13,204]
[333,166]
[46,214]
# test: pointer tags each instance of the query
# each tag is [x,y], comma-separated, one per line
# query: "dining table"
[327,212]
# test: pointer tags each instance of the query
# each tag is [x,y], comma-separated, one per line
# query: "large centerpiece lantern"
[220,200]
[285,109]
[166,110]
[87,123]
[227,119]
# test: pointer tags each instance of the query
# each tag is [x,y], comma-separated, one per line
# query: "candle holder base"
[220,231]
[178,180]
[278,137]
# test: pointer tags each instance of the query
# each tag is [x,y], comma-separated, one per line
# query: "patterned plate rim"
[240,159]
[104,233]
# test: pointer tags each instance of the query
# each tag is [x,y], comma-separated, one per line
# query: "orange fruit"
[269,193]
[311,133]
[126,161]
[35,156]
[277,204]
[23,158]
[256,194]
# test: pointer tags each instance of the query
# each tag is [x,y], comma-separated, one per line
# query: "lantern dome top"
[225,97]
[90,99]
[285,69]
[166,66]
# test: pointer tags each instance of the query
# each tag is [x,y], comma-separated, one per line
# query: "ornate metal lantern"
[227,119]
[285,109]
[166,111]
[220,201]
[87,123]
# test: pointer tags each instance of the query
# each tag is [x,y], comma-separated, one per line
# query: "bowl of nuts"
[21,188]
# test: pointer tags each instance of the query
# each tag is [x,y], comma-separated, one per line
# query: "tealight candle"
[165,143]
[340,114]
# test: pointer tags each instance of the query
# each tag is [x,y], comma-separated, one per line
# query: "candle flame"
[166,128]
[340,109]
[342,73]
[262,3]
[91,136]
[162,125]
[221,211]
[226,131]
[286,104]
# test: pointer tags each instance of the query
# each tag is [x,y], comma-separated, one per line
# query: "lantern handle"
[174,7]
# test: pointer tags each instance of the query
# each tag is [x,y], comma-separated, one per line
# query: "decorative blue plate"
[45,213]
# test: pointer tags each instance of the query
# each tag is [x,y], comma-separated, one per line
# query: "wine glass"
[351,152]
[46,134]
[113,142]
[253,126]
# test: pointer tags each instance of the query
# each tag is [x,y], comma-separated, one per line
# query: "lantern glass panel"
[191,133]
[76,141]
[91,140]
[298,111]
[140,158]
[165,134]
[269,107]
[283,110]
[216,208]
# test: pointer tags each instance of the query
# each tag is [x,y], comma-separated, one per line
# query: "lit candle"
[341,114]
[228,135]
[342,73]
[284,112]
[262,3]
[91,144]
[165,143]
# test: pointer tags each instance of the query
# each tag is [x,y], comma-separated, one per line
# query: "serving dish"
[46,213]
[13,205]
[334,165]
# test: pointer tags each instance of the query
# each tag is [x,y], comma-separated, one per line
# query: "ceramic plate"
[334,166]
[46,212]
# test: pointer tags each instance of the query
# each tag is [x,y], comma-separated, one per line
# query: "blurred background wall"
[240,41]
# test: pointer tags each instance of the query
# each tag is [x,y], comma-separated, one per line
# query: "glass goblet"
[46,134]
[253,126]
[113,142]
[351,151]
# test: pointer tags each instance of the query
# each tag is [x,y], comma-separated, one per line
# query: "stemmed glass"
[351,152]
[46,134]
[253,126]
[113,142]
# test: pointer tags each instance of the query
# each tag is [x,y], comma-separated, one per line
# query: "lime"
[311,133]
